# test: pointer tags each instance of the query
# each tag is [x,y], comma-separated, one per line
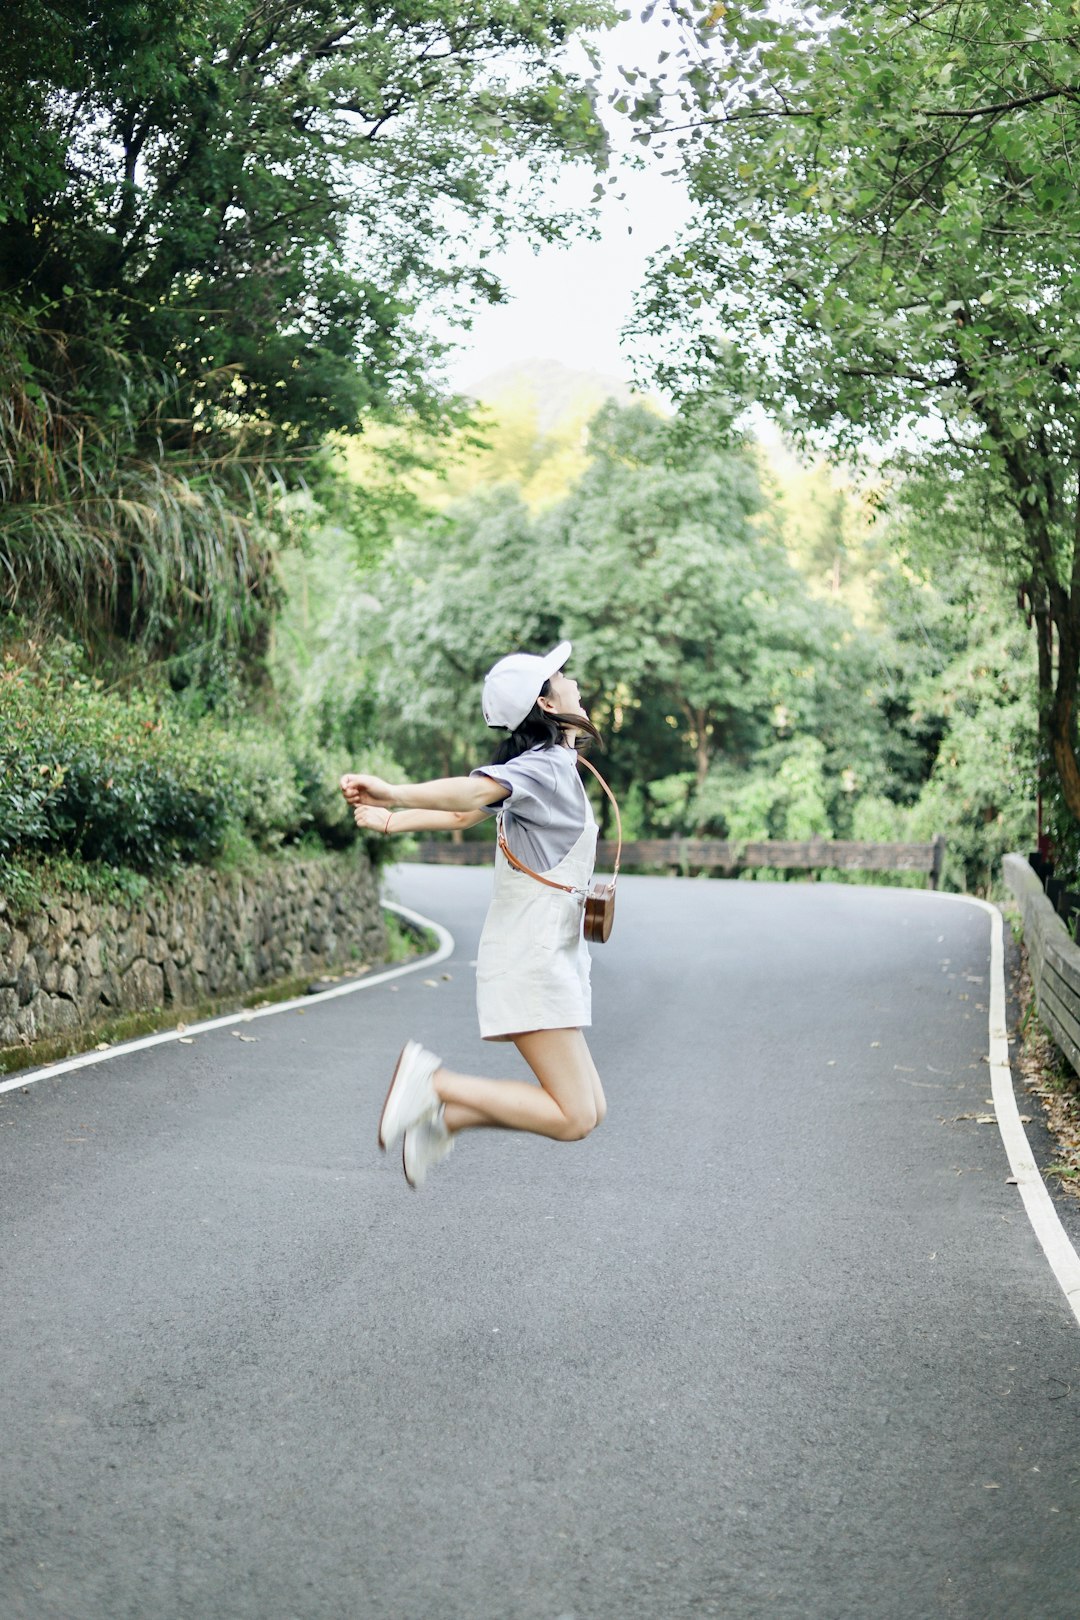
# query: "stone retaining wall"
[79,962]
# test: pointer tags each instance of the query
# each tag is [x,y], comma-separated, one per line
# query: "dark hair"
[542,729]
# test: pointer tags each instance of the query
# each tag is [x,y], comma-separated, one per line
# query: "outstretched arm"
[374,819]
[454,793]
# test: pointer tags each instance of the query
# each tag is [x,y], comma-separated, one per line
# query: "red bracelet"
[386,829]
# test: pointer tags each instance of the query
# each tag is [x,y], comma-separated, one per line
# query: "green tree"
[264,197]
[959,690]
[735,701]
[700,639]
[700,649]
[885,240]
[455,595]
[226,227]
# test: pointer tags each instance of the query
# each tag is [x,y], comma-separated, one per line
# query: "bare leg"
[567,1104]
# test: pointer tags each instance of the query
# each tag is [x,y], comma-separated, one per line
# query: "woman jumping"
[532,971]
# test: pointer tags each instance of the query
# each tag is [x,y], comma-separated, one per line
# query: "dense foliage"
[260,196]
[231,234]
[736,699]
[884,243]
[226,226]
[132,777]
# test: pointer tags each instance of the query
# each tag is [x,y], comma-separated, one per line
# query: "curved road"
[777,1341]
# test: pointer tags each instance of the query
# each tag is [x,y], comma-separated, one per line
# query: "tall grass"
[103,523]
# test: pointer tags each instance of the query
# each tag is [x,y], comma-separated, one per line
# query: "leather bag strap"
[567,888]
[614,804]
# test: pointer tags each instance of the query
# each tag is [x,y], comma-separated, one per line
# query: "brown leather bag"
[600,896]
[600,911]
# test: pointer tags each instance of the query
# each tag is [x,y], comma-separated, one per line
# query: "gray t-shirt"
[546,810]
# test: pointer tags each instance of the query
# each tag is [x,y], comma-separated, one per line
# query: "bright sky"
[569,303]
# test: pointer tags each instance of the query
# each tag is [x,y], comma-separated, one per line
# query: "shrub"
[141,781]
[318,772]
[119,780]
[269,800]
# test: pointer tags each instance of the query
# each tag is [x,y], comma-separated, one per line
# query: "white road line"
[1044,1218]
[445,949]
[1063,1258]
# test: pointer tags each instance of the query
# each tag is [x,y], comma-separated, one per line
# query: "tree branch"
[1059,90]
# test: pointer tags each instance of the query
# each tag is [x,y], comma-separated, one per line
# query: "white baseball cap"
[512,686]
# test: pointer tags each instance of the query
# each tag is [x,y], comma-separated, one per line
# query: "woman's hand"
[360,790]
[371,818]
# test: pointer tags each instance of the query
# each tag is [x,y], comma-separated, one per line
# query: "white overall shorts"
[532,969]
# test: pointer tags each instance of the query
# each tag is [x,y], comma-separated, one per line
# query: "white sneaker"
[411,1097]
[426,1145]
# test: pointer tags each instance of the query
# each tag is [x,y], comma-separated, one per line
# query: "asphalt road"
[777,1341]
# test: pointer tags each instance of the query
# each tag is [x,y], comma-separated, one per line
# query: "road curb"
[85,1060]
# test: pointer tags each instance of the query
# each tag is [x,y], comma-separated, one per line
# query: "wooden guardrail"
[1053,958]
[728,857]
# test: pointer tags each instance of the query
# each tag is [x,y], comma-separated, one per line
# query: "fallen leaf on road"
[448,975]
[240,1037]
[102,1046]
[434,983]
[187,1040]
[985,1119]
[875,1043]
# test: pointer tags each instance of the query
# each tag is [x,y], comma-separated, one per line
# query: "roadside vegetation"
[225,229]
[249,540]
